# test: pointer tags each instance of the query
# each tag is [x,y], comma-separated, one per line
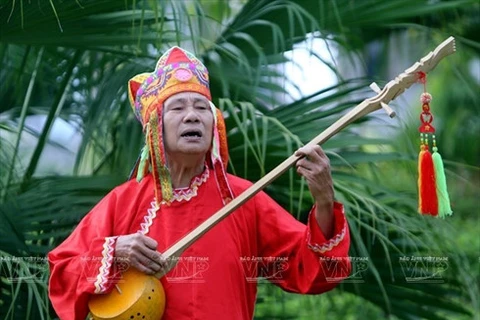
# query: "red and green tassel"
[432,186]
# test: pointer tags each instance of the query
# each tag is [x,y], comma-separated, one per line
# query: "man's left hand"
[315,168]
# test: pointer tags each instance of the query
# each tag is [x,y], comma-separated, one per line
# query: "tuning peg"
[391,113]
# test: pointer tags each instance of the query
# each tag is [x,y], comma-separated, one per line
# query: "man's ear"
[134,84]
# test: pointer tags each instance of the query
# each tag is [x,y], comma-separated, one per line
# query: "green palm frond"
[24,287]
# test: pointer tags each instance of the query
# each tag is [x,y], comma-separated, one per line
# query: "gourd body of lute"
[136,296]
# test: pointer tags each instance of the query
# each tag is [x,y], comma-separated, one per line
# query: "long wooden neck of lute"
[389,92]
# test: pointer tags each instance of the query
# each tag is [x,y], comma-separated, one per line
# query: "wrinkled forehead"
[186,97]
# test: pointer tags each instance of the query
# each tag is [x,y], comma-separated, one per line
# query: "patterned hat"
[176,71]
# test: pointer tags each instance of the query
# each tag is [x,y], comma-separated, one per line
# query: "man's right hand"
[140,251]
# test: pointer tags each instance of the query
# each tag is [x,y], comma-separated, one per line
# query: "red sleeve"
[302,259]
[83,264]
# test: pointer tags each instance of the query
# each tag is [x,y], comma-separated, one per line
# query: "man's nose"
[191,115]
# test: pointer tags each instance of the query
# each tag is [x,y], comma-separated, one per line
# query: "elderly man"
[181,181]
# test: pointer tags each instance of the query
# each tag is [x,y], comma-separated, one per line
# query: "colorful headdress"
[176,71]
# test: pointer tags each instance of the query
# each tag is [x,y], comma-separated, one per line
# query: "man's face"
[187,124]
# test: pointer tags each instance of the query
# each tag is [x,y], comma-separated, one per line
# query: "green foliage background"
[68,62]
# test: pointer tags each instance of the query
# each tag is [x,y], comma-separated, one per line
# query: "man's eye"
[201,106]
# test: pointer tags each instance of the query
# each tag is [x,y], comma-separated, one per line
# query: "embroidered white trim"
[185,194]
[330,244]
[148,219]
[107,259]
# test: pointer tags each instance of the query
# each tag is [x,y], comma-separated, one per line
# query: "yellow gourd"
[136,296]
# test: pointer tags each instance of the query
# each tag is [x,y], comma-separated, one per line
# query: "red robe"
[216,277]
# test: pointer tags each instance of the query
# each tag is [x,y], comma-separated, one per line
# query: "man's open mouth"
[192,133]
